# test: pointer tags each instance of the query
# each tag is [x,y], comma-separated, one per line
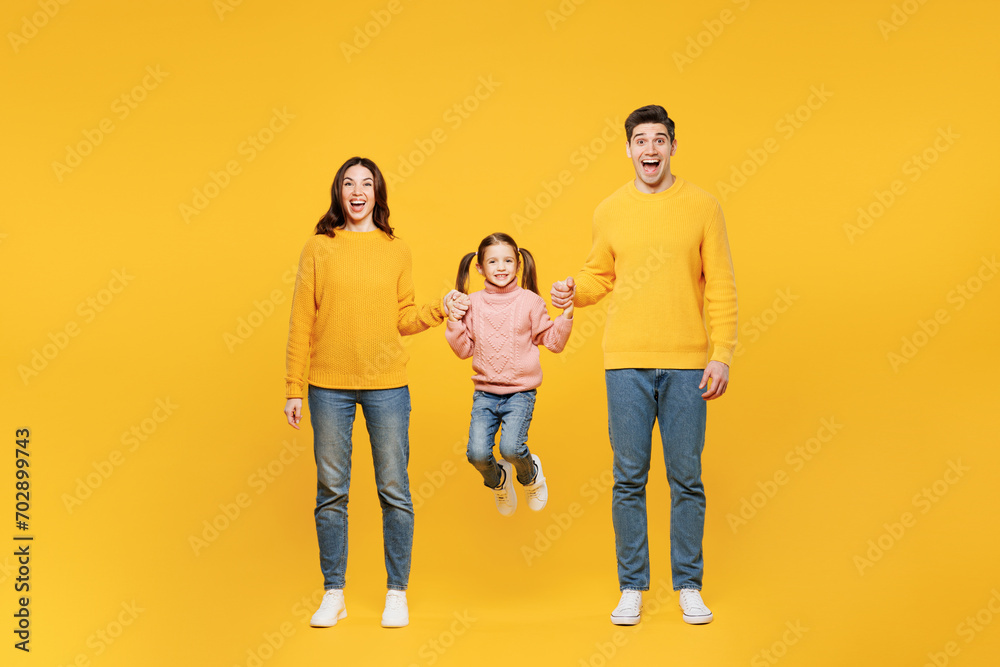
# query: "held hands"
[563,292]
[293,412]
[718,373]
[457,305]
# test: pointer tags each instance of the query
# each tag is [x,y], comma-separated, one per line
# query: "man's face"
[650,150]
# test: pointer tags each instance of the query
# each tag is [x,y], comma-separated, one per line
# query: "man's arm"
[593,281]
[597,277]
[720,304]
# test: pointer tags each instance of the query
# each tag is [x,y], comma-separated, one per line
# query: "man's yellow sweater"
[353,298]
[666,257]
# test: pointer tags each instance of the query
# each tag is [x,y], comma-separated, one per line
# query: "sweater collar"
[509,288]
[674,188]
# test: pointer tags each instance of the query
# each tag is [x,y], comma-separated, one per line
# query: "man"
[660,244]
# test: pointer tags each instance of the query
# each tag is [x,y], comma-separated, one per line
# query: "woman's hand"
[293,411]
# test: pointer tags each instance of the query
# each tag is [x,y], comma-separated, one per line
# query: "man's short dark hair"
[652,113]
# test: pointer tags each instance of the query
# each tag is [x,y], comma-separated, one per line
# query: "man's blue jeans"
[636,398]
[513,412]
[387,416]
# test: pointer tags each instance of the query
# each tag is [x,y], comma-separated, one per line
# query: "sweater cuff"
[723,354]
[294,389]
[437,311]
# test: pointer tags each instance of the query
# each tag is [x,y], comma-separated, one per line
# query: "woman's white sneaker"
[695,611]
[331,609]
[629,608]
[396,613]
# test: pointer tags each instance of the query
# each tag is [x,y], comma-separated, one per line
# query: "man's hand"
[717,373]
[293,411]
[563,292]
[458,306]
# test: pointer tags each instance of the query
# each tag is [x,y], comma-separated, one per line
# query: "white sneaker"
[331,609]
[629,606]
[537,492]
[505,496]
[695,611]
[396,613]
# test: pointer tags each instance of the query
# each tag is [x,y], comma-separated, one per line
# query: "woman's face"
[499,265]
[358,194]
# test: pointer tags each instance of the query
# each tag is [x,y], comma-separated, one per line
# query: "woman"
[353,298]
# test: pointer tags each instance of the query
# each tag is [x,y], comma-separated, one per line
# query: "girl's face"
[499,265]
[358,194]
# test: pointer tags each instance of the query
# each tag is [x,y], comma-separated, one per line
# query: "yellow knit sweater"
[353,298]
[666,257]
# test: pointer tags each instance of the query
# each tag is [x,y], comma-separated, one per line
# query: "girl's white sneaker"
[537,492]
[505,496]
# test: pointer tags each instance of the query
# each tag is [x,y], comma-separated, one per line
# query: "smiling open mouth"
[357,205]
[650,165]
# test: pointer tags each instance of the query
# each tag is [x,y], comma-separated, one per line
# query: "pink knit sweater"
[501,332]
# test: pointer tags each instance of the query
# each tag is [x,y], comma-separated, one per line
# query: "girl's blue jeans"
[513,413]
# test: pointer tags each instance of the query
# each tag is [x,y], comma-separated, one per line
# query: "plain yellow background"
[542,90]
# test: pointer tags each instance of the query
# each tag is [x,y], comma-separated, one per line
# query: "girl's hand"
[447,299]
[568,312]
[458,307]
[293,411]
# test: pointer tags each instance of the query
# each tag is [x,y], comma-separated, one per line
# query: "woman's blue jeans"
[387,416]
[637,397]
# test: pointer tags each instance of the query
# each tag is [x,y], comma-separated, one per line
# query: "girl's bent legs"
[331,412]
[482,430]
[515,416]
[387,415]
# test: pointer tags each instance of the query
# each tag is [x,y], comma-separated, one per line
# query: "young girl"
[500,327]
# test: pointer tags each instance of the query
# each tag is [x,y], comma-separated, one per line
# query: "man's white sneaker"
[396,613]
[505,496]
[331,609]
[537,492]
[628,609]
[695,611]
